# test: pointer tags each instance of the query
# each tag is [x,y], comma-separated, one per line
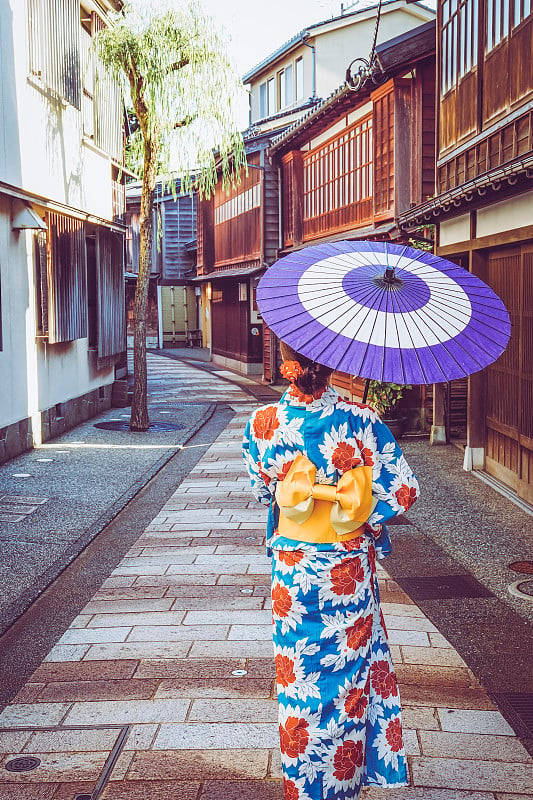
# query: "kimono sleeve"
[396,488]
[252,461]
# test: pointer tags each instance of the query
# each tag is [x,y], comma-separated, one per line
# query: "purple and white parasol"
[384,311]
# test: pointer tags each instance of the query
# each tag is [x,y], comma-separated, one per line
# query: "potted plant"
[384,398]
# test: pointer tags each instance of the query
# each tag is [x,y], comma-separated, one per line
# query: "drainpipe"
[312,47]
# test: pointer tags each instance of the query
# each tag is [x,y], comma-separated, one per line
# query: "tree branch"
[182,123]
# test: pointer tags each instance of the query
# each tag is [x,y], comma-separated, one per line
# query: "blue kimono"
[339,705]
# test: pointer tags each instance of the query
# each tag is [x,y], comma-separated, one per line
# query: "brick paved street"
[172,658]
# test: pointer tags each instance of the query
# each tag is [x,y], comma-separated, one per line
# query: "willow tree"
[172,65]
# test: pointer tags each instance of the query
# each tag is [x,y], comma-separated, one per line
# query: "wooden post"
[298,197]
[438,429]
[475,409]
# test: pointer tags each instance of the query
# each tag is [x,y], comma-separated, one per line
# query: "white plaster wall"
[41,147]
[454,230]
[516,212]
[66,371]
[337,46]
[15,318]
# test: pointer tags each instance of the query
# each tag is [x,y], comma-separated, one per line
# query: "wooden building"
[483,211]
[238,236]
[351,166]
[173,307]
[62,204]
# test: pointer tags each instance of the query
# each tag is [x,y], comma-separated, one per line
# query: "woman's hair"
[314,377]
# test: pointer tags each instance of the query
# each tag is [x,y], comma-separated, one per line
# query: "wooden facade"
[483,210]
[237,237]
[362,158]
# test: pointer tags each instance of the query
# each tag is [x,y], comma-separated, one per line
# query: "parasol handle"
[389,276]
[365,392]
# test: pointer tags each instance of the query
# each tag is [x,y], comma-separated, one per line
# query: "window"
[289,85]
[54,49]
[459,40]
[299,65]
[282,95]
[522,9]
[501,14]
[271,96]
[263,105]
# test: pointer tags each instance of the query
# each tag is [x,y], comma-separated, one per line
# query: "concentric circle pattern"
[435,322]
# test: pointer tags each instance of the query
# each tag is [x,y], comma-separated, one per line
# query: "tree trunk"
[139,408]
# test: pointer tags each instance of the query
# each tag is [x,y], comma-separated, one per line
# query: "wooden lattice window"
[338,180]
[54,46]
[459,40]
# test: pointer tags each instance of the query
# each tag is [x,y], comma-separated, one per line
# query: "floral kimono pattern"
[339,705]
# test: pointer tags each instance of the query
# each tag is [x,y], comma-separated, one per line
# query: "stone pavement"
[163,686]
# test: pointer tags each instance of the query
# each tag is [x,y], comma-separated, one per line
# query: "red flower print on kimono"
[297,727]
[389,742]
[344,765]
[265,422]
[345,580]
[352,702]
[353,637]
[291,675]
[286,609]
[383,680]
[339,450]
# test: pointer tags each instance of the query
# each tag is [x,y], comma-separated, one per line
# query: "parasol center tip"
[389,279]
[389,276]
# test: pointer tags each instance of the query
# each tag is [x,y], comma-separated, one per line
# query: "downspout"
[312,47]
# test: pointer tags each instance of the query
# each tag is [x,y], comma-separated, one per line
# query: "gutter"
[303,40]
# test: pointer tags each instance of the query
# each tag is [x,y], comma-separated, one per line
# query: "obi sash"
[320,512]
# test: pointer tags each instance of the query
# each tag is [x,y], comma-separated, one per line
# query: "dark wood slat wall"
[179,227]
[67,280]
[111,293]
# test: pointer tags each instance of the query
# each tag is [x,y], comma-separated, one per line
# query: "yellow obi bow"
[351,499]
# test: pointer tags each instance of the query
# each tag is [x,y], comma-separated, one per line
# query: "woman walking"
[332,475]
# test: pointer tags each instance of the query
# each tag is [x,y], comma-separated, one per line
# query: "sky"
[258,27]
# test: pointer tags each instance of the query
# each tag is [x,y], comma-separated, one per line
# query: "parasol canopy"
[384,312]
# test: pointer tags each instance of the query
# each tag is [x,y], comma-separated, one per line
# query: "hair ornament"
[291,370]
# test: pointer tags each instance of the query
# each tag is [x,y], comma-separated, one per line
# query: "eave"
[461,196]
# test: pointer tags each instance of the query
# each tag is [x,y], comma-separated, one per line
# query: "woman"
[339,706]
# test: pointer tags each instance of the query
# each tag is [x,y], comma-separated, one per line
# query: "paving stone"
[29,693]
[245,580]
[125,712]
[421,675]
[261,667]
[441,744]
[231,649]
[234,711]
[176,580]
[154,790]
[209,765]
[72,741]
[138,650]
[30,791]
[13,741]
[81,621]
[141,736]
[171,633]
[425,794]
[129,605]
[82,671]
[258,633]
[402,610]
[394,622]
[189,668]
[209,736]
[466,721]
[129,593]
[67,652]
[117,582]
[71,691]
[36,715]
[412,638]
[438,656]
[470,774]
[215,688]
[228,618]
[450,697]
[136,618]
[94,635]
[420,718]
[242,790]
[60,766]
[238,602]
